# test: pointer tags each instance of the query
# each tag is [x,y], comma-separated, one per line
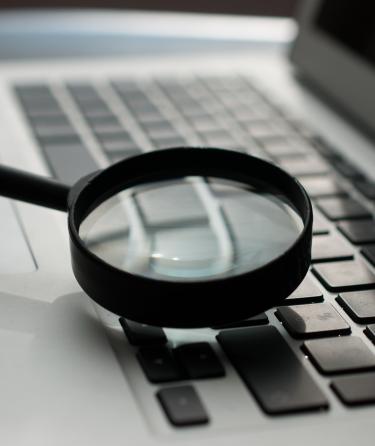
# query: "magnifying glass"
[240,246]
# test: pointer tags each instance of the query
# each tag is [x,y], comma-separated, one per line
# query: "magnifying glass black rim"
[188,304]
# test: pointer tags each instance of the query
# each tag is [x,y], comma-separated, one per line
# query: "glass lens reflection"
[191,229]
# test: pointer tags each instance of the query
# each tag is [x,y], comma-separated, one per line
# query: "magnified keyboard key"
[312,321]
[355,390]
[340,355]
[179,203]
[269,368]
[370,332]
[342,209]
[182,406]
[322,186]
[358,232]
[360,305]
[350,275]
[306,293]
[142,334]
[159,364]
[260,319]
[199,360]
[327,248]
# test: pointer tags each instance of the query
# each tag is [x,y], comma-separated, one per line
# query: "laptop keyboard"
[83,126]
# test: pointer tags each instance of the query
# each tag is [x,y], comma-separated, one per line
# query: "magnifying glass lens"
[191,229]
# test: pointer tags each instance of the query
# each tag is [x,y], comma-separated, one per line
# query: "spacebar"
[271,370]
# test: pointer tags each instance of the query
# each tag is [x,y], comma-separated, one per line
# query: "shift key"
[271,370]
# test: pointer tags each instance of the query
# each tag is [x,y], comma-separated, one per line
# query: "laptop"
[303,373]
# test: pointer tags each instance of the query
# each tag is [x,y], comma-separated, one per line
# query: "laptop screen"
[335,51]
[351,24]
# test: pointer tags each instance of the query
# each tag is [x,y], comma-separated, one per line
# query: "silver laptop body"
[69,375]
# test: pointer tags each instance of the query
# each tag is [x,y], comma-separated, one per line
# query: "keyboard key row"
[66,155]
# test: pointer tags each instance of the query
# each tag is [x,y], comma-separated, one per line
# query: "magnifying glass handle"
[34,189]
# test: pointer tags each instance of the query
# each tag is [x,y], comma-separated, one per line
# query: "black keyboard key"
[159,364]
[367,188]
[312,321]
[82,90]
[104,120]
[284,147]
[101,130]
[182,406]
[199,360]
[60,139]
[350,275]
[304,166]
[340,355]
[49,120]
[347,170]
[205,123]
[342,209]
[164,143]
[44,102]
[355,390]
[370,332]
[360,305]
[218,138]
[306,293]
[322,186]
[260,319]
[32,90]
[369,253]
[268,367]
[320,225]
[117,147]
[160,129]
[68,163]
[97,113]
[358,232]
[266,129]
[326,248]
[46,131]
[142,334]
[117,136]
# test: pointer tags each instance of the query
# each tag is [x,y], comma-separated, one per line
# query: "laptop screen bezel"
[343,75]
